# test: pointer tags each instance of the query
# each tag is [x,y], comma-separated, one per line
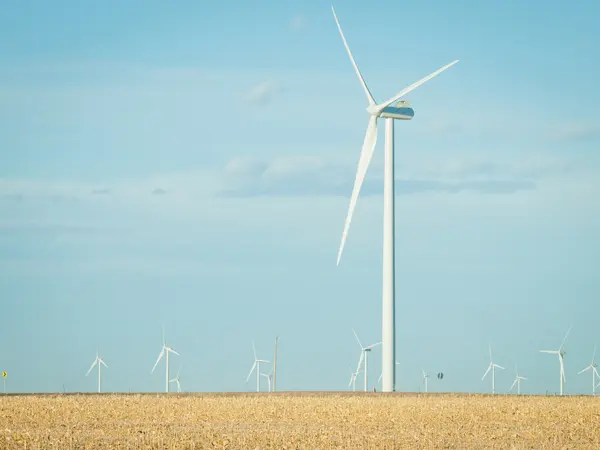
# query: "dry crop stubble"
[298,420]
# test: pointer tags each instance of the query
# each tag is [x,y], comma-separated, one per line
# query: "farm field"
[298,420]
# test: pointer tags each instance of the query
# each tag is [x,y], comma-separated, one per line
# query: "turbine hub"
[373,110]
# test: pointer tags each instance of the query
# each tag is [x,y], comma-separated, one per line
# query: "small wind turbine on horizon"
[400,110]
[561,355]
[517,381]
[425,377]
[166,349]
[364,352]
[269,377]
[353,375]
[493,366]
[256,365]
[176,380]
[593,367]
[99,362]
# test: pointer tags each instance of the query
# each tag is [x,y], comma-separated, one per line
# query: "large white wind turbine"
[561,355]
[493,366]
[594,368]
[364,352]
[98,361]
[256,365]
[517,381]
[400,111]
[166,349]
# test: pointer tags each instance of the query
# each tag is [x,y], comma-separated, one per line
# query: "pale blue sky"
[191,165]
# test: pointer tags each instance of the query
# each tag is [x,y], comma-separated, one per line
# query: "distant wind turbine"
[98,361]
[165,352]
[269,377]
[381,375]
[256,365]
[593,367]
[176,380]
[493,366]
[561,355]
[364,356]
[425,376]
[353,375]
[517,381]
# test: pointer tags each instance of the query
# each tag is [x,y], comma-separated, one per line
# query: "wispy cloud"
[298,23]
[262,93]
[159,191]
[316,176]
[574,132]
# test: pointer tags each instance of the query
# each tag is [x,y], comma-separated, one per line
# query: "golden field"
[298,420]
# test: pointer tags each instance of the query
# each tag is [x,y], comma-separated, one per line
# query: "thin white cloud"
[262,93]
[303,176]
[298,23]
[574,132]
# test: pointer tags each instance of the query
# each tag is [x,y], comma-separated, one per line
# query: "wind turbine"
[166,349]
[98,361]
[364,356]
[400,111]
[381,375]
[269,377]
[176,380]
[425,377]
[256,366]
[493,366]
[561,355]
[593,367]
[517,381]
[353,375]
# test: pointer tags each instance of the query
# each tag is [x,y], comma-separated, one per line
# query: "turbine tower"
[364,352]
[165,352]
[594,368]
[256,366]
[98,361]
[561,355]
[517,381]
[493,366]
[425,377]
[400,111]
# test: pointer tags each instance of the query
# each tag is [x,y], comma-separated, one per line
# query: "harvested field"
[305,420]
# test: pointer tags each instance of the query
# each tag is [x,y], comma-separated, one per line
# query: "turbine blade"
[490,349]
[251,370]
[486,372]
[565,339]
[584,370]
[356,336]
[92,366]
[360,361]
[373,345]
[254,350]
[102,361]
[512,386]
[415,85]
[173,351]
[363,165]
[162,352]
[552,352]
[360,77]
[499,367]
[380,377]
